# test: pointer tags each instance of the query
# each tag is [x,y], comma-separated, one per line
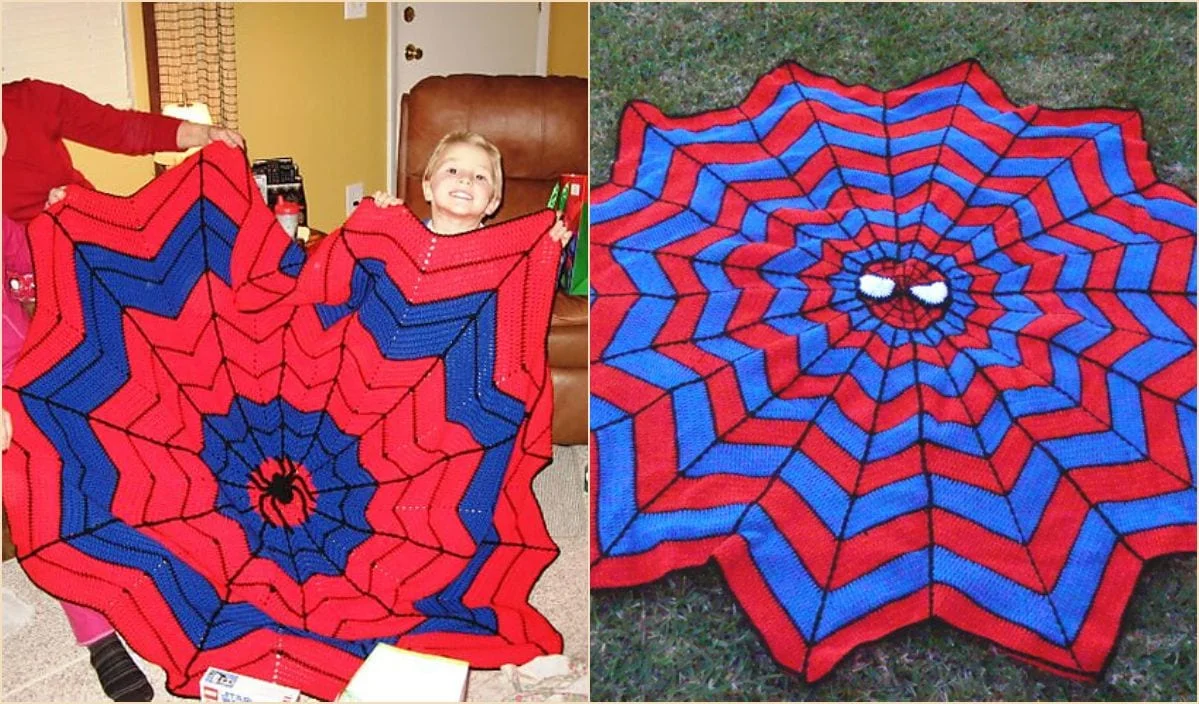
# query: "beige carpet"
[40,661]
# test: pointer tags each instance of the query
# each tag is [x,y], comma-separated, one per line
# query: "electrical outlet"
[354,193]
[355,10]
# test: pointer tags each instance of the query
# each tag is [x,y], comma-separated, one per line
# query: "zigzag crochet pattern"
[268,460]
[894,356]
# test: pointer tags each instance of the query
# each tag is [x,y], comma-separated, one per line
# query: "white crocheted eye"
[878,287]
[932,294]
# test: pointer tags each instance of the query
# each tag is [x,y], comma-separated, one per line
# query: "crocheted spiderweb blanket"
[268,460]
[893,356]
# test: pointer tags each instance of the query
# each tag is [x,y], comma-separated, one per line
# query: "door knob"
[413,52]
[409,14]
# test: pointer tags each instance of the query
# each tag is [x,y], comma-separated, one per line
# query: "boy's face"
[462,185]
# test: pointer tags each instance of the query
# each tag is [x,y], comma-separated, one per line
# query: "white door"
[434,39]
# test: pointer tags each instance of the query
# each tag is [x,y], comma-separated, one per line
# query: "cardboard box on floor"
[390,674]
[224,686]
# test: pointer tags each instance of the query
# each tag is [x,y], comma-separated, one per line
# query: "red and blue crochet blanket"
[265,459]
[889,356]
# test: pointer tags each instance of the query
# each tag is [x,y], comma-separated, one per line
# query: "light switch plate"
[355,10]
[354,193]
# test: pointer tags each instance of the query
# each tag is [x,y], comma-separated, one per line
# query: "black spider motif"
[283,487]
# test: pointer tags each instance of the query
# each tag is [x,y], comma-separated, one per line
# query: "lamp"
[189,112]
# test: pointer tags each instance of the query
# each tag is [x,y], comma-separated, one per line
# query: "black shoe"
[119,675]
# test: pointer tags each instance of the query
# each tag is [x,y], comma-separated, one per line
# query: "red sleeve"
[102,126]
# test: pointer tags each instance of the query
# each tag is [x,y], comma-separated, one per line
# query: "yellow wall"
[313,86]
[116,173]
[568,39]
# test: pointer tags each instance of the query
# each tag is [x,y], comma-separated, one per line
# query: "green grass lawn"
[683,638]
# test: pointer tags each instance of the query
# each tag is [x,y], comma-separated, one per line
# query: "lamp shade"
[190,112]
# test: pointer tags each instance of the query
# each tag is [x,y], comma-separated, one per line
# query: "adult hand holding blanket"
[267,460]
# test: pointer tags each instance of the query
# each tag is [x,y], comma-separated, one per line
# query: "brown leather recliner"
[539,124]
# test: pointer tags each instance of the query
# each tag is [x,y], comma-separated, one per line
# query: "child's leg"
[119,676]
[89,626]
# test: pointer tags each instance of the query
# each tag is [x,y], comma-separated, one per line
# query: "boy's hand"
[385,200]
[5,432]
[559,233]
[55,195]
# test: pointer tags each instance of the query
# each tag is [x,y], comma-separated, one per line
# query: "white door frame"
[393,99]
[543,38]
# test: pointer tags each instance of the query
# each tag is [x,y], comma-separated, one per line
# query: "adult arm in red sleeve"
[102,126]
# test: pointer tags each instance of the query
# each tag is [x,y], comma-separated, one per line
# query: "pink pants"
[89,626]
